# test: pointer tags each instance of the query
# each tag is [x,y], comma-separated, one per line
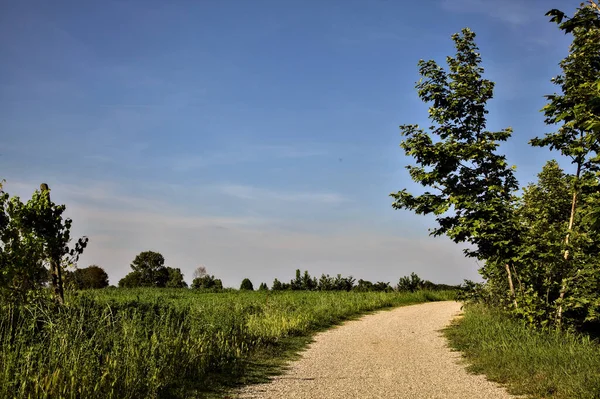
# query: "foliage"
[541,250]
[246,285]
[87,278]
[263,287]
[151,343]
[410,284]
[149,271]
[207,282]
[277,285]
[577,110]
[474,185]
[175,278]
[34,237]
[367,286]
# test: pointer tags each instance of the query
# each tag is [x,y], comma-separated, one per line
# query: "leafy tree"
[343,283]
[90,277]
[473,185]
[132,280]
[308,283]
[296,284]
[325,283]
[382,287]
[577,109]
[149,270]
[207,282]
[277,286]
[543,209]
[363,286]
[246,285]
[410,284]
[34,235]
[21,253]
[175,279]
[263,287]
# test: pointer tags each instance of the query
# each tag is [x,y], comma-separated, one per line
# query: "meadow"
[166,343]
[537,363]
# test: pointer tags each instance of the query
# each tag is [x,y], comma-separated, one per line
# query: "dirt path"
[390,354]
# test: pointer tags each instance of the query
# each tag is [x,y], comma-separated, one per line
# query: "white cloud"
[266,195]
[234,248]
[257,247]
[242,154]
[514,12]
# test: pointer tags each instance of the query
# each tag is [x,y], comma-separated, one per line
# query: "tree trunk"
[57,282]
[563,287]
[511,286]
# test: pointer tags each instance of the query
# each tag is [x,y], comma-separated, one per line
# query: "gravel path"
[390,354]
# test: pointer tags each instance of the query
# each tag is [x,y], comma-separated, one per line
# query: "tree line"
[540,246]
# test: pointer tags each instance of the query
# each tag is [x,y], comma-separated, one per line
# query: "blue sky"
[253,137]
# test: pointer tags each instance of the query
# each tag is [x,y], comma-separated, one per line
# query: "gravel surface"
[399,353]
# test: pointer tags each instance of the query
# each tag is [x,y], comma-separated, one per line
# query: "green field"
[166,343]
[540,364]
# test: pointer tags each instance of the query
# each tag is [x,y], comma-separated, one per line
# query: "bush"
[246,285]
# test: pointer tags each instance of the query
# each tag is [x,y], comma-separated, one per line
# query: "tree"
[363,286]
[91,277]
[263,287]
[132,280]
[150,271]
[207,282]
[578,110]
[21,253]
[277,286]
[296,284]
[175,279]
[473,185]
[325,283]
[35,235]
[246,285]
[200,272]
[410,284]
[308,283]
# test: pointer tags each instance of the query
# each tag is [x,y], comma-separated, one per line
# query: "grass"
[539,364]
[167,343]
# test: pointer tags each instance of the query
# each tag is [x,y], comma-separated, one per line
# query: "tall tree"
[21,252]
[37,230]
[151,267]
[474,187]
[175,278]
[543,210]
[246,285]
[207,282]
[577,109]
[90,277]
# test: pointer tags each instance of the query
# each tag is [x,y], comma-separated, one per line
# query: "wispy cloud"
[514,12]
[267,195]
[184,163]
[233,247]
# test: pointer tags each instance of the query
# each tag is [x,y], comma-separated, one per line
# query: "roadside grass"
[540,364]
[168,343]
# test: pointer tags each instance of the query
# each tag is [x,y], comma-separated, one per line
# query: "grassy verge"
[167,343]
[534,363]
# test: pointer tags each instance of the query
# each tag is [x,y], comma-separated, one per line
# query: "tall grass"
[160,343]
[543,364]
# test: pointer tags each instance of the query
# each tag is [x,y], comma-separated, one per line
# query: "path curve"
[393,354]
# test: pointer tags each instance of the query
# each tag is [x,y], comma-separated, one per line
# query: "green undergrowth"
[167,343]
[537,364]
